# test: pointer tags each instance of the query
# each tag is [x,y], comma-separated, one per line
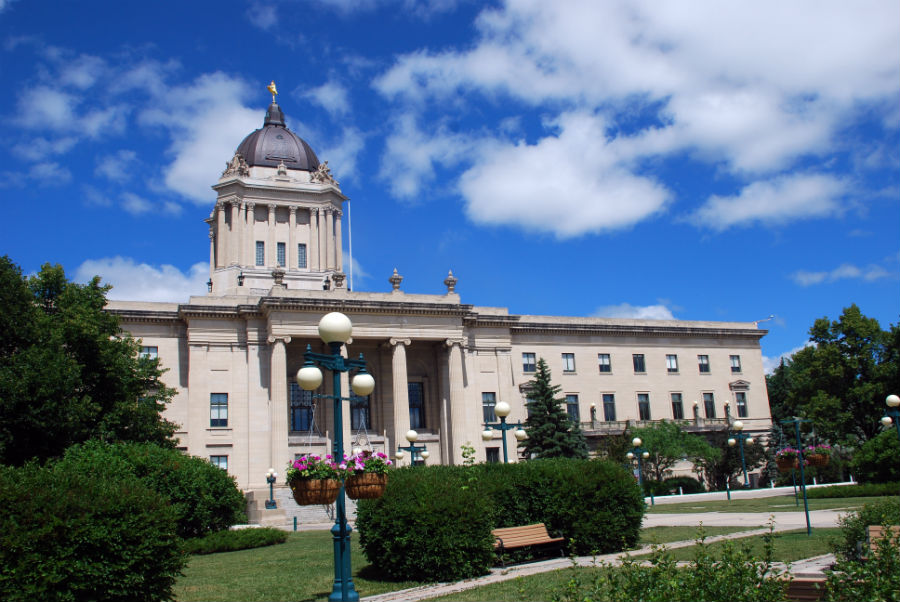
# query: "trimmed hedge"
[231,541]
[434,522]
[867,490]
[687,484]
[68,534]
[205,498]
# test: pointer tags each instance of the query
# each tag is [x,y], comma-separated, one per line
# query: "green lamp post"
[412,448]
[741,436]
[796,422]
[335,330]
[641,454]
[502,410]
[892,414]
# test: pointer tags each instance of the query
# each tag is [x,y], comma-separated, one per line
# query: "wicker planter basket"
[310,492]
[787,464]
[365,486]
[817,459]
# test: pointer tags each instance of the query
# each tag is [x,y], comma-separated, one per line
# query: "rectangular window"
[301,255]
[709,405]
[741,399]
[572,408]
[638,361]
[219,461]
[703,362]
[280,254]
[609,407]
[671,364]
[260,252]
[360,415]
[528,362]
[301,407]
[488,403]
[218,409]
[149,352]
[735,364]
[677,407]
[644,406]
[603,362]
[416,405]
[568,360]
[492,455]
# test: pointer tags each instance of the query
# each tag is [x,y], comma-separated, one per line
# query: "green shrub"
[231,541]
[876,578]
[430,525]
[68,534]
[876,460]
[204,497]
[867,490]
[687,484]
[736,574]
[853,525]
[434,522]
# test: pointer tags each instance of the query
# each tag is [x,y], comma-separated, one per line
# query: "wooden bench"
[875,533]
[809,589]
[510,538]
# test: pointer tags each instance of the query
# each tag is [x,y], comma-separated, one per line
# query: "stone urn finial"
[338,278]
[395,280]
[278,276]
[450,282]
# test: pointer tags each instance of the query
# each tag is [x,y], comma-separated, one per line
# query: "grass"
[660,535]
[790,546]
[300,569]
[781,503]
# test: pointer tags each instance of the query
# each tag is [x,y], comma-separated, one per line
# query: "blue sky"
[696,160]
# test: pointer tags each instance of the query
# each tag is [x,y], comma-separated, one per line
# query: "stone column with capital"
[249,238]
[292,240]
[234,236]
[323,253]
[212,250]
[271,257]
[400,389]
[313,262]
[329,242]
[278,401]
[338,251]
[220,235]
[457,418]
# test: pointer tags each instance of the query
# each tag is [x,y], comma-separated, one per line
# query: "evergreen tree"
[551,434]
[67,372]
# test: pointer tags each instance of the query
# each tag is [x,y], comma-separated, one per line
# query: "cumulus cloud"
[846,271]
[117,166]
[262,15]
[639,312]
[343,155]
[331,96]
[775,201]
[770,363]
[132,281]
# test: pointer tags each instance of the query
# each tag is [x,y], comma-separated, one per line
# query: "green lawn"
[767,504]
[652,535]
[790,546]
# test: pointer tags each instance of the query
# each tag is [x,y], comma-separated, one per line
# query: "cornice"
[145,315]
[270,304]
[635,330]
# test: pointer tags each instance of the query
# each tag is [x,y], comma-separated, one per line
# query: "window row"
[280,254]
[604,363]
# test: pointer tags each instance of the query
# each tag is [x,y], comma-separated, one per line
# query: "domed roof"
[273,144]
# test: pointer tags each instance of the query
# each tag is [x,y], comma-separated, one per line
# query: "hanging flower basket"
[365,486]
[787,464]
[311,492]
[817,455]
[817,459]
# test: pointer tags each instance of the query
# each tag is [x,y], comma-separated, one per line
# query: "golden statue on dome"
[271,88]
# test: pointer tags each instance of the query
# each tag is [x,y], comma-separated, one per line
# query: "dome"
[273,144]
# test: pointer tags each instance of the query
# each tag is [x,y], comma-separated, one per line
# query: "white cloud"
[41,148]
[775,201]
[844,271]
[132,281]
[770,363]
[331,96]
[582,175]
[135,204]
[342,157]
[116,167]
[639,312]
[262,15]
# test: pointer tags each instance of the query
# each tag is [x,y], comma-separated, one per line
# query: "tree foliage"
[724,464]
[551,434]
[667,444]
[841,379]
[67,372]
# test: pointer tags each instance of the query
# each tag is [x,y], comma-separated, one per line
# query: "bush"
[853,525]
[868,490]
[204,497]
[736,575]
[70,534]
[434,522]
[877,578]
[876,460]
[687,484]
[231,541]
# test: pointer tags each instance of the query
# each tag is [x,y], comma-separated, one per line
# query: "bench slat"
[507,538]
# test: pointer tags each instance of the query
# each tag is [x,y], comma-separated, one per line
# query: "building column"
[250,239]
[456,411]
[329,238]
[292,240]
[220,235]
[322,235]
[401,390]
[271,258]
[212,250]
[278,399]
[338,243]
[313,259]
